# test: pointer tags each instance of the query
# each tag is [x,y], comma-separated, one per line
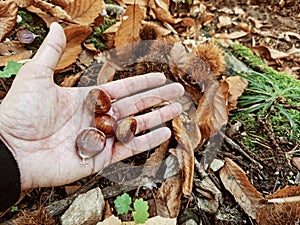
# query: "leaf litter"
[201,70]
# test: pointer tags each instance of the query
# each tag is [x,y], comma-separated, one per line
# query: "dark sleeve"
[9,178]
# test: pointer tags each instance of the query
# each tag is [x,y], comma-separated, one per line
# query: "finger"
[136,103]
[157,117]
[52,48]
[140,144]
[128,86]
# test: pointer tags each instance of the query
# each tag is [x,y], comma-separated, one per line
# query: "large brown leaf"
[23,3]
[75,35]
[236,182]
[13,51]
[212,110]
[84,11]
[8,15]
[237,85]
[129,31]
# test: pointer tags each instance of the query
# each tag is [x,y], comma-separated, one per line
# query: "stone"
[86,209]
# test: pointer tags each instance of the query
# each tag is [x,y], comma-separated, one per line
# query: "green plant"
[140,208]
[95,37]
[10,69]
[270,94]
[14,208]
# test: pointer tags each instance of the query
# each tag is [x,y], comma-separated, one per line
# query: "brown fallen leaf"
[236,182]
[237,85]
[84,11]
[23,3]
[52,9]
[212,111]
[233,35]
[75,35]
[8,15]
[47,18]
[168,197]
[224,21]
[24,55]
[268,53]
[129,31]
[113,220]
[71,80]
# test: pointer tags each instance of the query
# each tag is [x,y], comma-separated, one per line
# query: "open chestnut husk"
[98,101]
[90,142]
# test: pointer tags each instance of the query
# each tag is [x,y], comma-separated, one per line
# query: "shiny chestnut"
[98,101]
[90,142]
[126,129]
[106,123]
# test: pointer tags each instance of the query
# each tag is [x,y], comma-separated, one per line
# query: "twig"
[238,148]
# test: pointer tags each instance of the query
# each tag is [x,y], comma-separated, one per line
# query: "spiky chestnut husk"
[213,56]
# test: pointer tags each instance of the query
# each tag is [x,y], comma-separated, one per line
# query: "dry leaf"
[296,162]
[8,15]
[224,21]
[54,10]
[25,54]
[163,15]
[23,3]
[233,35]
[47,18]
[75,34]
[61,3]
[212,110]
[84,11]
[168,197]
[237,85]
[236,182]
[269,53]
[129,31]
[71,80]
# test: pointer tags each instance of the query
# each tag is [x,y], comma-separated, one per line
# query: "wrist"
[23,178]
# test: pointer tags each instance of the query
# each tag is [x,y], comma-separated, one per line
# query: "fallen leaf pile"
[149,37]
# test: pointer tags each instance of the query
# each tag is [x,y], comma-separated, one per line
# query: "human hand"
[39,120]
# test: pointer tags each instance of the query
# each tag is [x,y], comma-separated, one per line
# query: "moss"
[270,94]
[95,38]
[35,25]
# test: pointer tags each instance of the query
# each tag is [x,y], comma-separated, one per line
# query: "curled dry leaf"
[13,51]
[237,85]
[187,133]
[212,111]
[75,34]
[236,182]
[47,18]
[129,31]
[8,15]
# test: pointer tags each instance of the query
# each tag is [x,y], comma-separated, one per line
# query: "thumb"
[52,47]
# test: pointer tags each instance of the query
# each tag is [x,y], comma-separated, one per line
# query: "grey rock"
[86,209]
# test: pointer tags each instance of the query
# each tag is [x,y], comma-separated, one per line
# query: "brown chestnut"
[126,129]
[90,142]
[26,36]
[106,123]
[98,101]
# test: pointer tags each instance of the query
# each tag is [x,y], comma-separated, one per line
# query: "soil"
[278,172]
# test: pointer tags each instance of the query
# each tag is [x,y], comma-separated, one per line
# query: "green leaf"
[140,213]
[10,69]
[122,203]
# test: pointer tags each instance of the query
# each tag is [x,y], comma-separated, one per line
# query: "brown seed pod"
[126,129]
[26,36]
[98,101]
[90,142]
[106,123]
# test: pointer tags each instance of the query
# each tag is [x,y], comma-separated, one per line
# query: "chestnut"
[90,142]
[98,101]
[26,36]
[106,123]
[126,129]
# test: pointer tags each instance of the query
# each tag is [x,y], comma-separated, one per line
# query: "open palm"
[40,120]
